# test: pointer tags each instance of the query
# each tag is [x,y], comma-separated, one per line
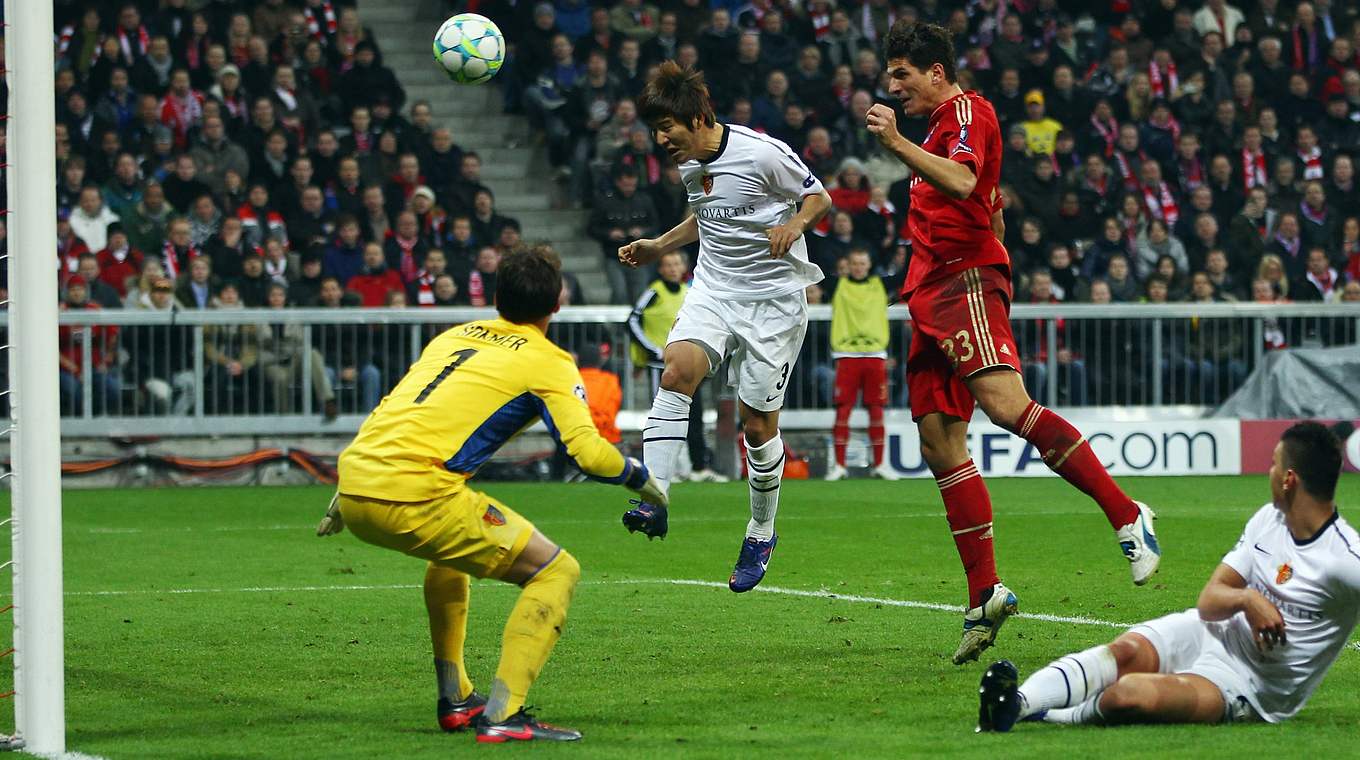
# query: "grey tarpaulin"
[1300,383]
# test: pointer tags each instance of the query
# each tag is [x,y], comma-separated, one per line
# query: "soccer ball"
[469,48]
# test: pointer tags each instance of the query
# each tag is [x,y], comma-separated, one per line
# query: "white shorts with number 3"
[762,337]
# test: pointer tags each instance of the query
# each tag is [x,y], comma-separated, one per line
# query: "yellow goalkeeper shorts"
[467,530]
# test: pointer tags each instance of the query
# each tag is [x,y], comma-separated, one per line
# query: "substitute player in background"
[1271,620]
[403,486]
[746,301]
[650,324]
[859,346]
[962,351]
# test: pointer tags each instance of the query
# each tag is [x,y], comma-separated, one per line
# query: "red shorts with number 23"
[961,326]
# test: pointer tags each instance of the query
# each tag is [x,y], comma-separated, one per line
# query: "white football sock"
[1069,680]
[664,435]
[1086,712]
[765,471]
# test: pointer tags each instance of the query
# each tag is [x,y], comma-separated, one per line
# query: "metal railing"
[300,371]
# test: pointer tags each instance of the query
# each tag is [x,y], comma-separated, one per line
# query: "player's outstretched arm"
[647,250]
[1226,594]
[783,237]
[948,176]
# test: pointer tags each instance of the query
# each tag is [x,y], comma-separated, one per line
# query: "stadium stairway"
[513,166]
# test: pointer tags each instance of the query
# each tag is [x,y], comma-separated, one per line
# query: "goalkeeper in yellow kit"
[403,486]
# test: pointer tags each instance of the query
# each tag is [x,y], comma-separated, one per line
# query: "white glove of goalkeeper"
[650,490]
[332,523]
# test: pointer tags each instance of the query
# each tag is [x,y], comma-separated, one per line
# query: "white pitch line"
[820,594]
[678,520]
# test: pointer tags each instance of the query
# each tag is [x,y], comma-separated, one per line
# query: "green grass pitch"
[211,623]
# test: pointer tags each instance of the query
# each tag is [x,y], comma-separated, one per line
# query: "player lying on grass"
[962,354]
[403,486]
[1270,622]
[747,300]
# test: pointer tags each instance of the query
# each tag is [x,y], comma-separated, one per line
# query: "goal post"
[35,431]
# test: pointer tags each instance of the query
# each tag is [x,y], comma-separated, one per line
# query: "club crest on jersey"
[707,182]
[493,516]
[1283,574]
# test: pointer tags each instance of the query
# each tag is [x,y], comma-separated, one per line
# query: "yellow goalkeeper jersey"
[473,388]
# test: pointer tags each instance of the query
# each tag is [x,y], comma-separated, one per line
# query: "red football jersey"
[950,235]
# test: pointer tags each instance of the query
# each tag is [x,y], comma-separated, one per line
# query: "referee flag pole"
[35,444]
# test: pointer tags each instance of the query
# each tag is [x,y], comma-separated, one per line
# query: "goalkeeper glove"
[641,482]
[332,523]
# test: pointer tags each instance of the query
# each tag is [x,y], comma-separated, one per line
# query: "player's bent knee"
[1134,654]
[1132,697]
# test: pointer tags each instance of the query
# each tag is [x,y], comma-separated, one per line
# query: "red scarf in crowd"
[1108,131]
[424,289]
[1353,263]
[821,24]
[1192,173]
[1126,173]
[171,257]
[1303,48]
[1254,169]
[1316,216]
[314,24]
[406,264]
[476,289]
[143,40]
[1161,204]
[1164,85]
[1312,163]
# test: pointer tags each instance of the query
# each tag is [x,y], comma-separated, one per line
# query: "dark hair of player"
[528,285]
[678,94]
[923,45]
[1314,452]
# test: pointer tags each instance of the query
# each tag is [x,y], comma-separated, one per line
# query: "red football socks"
[1067,453]
[968,508]
[876,433]
[840,432]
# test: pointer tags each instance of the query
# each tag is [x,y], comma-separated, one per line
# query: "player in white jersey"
[1272,619]
[747,300]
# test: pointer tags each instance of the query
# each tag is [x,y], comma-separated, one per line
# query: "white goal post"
[35,432]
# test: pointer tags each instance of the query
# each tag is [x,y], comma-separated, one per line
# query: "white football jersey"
[753,183]
[1316,586]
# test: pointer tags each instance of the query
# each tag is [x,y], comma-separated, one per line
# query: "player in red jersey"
[962,351]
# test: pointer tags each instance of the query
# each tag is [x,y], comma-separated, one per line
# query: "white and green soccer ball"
[469,48]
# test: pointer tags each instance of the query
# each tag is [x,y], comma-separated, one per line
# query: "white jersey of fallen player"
[1316,586]
[753,183]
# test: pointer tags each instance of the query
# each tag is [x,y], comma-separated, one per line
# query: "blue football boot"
[751,564]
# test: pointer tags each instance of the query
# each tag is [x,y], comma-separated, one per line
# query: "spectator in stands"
[1216,269]
[462,192]
[460,249]
[104,380]
[204,220]
[305,289]
[312,223]
[480,287]
[179,249]
[347,352]
[420,291]
[1032,341]
[1041,131]
[96,290]
[1288,245]
[196,291]
[404,249]
[161,355]
[91,218]
[1119,279]
[281,355]
[376,223]
[139,289]
[1271,269]
[123,191]
[1214,348]
[1157,242]
[252,287]
[621,216]
[376,280]
[1319,283]
[118,262]
[231,356]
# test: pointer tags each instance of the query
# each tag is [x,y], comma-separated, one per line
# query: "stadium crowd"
[257,153]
